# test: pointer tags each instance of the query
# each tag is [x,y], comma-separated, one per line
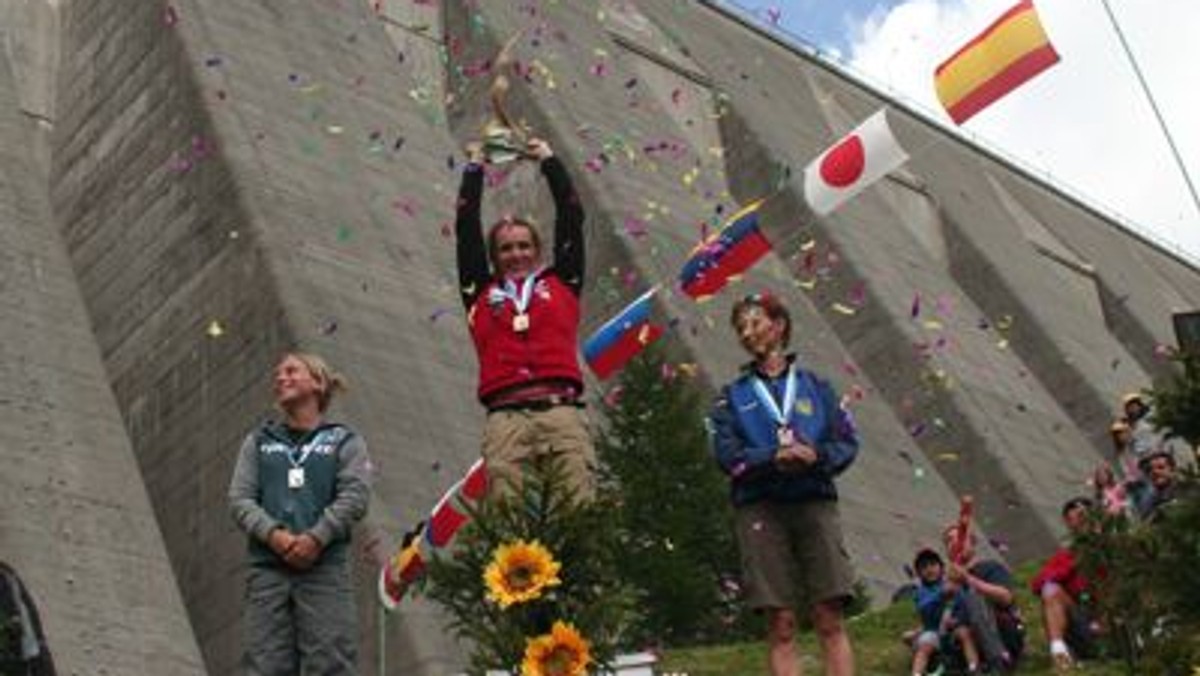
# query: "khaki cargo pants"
[512,438]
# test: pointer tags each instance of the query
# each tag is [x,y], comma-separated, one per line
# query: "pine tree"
[674,509]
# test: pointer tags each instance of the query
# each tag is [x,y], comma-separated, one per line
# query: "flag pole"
[1162,124]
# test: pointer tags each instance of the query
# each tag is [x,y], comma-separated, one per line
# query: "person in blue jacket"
[781,435]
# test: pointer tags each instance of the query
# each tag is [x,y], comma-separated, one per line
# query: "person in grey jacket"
[298,488]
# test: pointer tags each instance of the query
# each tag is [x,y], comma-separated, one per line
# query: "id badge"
[521,323]
[785,436]
[296,477]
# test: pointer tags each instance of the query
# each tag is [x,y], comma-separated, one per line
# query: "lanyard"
[778,413]
[305,450]
[522,297]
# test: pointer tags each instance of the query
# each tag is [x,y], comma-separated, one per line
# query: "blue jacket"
[744,439]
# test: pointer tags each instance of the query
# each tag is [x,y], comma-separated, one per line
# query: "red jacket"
[544,351]
[1062,570]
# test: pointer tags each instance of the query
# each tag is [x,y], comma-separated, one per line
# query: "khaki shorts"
[511,438]
[792,554]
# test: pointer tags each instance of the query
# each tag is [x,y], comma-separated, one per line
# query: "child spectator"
[937,601]
[1110,493]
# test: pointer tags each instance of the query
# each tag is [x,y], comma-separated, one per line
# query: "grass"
[877,647]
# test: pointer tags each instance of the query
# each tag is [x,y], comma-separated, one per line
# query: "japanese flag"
[856,161]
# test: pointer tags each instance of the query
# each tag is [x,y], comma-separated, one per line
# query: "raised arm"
[473,273]
[568,217]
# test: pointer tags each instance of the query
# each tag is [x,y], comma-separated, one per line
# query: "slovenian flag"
[725,254]
[1008,53]
[622,337]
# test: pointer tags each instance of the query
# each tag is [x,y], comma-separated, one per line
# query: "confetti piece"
[438,314]
[914,310]
[843,309]
[947,457]
[170,17]
[343,233]
[808,245]
[215,330]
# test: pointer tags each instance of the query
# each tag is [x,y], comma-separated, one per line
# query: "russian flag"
[622,337]
[730,252]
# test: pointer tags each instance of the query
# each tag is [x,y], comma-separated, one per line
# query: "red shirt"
[544,351]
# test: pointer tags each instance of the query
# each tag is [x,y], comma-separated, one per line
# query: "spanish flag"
[1011,51]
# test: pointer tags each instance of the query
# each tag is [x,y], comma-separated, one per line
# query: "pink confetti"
[170,16]
[858,294]
[635,227]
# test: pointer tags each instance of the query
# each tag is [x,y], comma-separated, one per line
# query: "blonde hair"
[331,381]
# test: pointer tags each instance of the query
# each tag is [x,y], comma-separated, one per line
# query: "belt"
[537,404]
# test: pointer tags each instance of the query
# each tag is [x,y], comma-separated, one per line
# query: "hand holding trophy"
[503,141]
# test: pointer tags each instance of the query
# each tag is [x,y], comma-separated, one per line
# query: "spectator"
[23,649]
[1125,465]
[1160,467]
[1063,590]
[987,605]
[939,607]
[1143,438]
[1110,493]
[782,436]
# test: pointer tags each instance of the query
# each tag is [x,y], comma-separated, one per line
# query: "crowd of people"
[967,610]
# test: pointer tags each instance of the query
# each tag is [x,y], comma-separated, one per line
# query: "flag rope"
[1162,123]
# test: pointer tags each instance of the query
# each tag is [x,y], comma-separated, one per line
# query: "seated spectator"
[987,604]
[1160,468]
[938,604]
[1110,493]
[1062,588]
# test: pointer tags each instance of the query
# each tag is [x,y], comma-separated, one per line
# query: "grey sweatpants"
[300,623]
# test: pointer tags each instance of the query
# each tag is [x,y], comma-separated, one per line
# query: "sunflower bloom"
[562,652]
[520,572]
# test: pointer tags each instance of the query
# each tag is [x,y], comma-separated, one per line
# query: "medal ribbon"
[780,414]
[304,451]
[521,298]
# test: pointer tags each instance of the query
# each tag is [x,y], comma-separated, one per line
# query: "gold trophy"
[503,141]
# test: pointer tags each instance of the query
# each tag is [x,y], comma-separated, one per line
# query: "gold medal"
[520,323]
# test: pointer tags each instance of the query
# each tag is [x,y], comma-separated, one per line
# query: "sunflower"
[562,652]
[519,572]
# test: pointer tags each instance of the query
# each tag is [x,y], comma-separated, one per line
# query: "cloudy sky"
[1085,121]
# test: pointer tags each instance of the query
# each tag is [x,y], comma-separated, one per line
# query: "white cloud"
[1085,120]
